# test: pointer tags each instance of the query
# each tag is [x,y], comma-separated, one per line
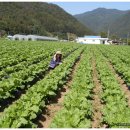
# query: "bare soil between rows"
[122,83]
[97,105]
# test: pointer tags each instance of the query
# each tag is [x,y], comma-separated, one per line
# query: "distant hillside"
[38,18]
[101,19]
[121,26]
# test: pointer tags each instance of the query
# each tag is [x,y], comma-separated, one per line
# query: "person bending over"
[56,60]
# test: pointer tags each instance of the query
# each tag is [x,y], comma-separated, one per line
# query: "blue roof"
[92,36]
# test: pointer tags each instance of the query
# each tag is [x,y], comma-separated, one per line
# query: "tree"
[71,36]
[114,37]
[103,34]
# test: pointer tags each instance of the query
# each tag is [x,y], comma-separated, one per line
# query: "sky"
[81,7]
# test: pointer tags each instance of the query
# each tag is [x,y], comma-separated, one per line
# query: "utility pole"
[127,38]
[68,36]
[108,33]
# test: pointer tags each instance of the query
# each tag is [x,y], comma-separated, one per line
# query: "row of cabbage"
[77,106]
[22,112]
[116,112]
[27,73]
[16,52]
[29,53]
[120,59]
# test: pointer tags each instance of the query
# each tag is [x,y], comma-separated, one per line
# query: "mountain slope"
[100,19]
[38,18]
[121,26]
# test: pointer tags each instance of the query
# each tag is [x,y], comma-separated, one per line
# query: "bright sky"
[81,7]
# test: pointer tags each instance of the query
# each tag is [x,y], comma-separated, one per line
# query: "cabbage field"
[90,89]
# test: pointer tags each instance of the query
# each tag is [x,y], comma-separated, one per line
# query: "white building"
[37,38]
[19,37]
[92,40]
[31,38]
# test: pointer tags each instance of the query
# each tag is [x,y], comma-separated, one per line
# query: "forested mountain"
[102,19]
[38,18]
[121,26]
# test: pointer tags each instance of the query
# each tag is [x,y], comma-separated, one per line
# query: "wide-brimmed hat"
[59,52]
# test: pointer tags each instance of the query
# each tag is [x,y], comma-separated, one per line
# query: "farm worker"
[56,60]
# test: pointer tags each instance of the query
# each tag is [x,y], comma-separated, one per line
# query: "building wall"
[92,41]
[107,43]
[88,41]
[33,38]
[19,37]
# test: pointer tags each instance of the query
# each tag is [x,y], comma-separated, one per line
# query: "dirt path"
[97,106]
[124,87]
[55,104]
